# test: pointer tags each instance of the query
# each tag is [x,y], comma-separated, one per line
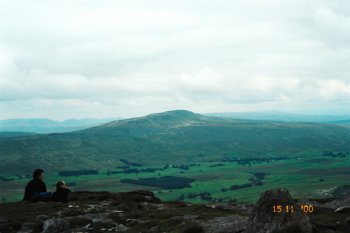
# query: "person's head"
[38,174]
[60,184]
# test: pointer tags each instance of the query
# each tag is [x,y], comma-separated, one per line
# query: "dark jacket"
[61,195]
[34,186]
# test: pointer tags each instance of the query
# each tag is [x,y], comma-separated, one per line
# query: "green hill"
[171,137]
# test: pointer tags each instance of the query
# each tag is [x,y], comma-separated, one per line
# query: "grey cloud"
[115,58]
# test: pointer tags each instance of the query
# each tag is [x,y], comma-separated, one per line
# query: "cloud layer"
[63,59]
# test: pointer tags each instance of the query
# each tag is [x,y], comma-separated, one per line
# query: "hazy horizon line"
[273,112]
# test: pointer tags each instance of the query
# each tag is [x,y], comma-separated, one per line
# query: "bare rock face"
[347,221]
[263,219]
[339,203]
[3,221]
[228,224]
[122,197]
[55,225]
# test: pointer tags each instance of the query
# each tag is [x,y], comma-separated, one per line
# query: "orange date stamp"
[291,208]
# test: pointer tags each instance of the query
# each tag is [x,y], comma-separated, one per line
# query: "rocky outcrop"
[3,221]
[141,211]
[137,211]
[264,220]
[342,202]
[122,197]
[56,225]
[229,224]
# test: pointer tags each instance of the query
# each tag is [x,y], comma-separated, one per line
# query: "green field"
[305,175]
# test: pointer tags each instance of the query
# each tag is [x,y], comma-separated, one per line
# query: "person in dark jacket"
[35,190]
[62,191]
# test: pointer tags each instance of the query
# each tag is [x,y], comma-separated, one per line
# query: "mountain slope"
[170,137]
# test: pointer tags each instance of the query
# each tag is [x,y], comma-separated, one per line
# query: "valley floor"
[310,175]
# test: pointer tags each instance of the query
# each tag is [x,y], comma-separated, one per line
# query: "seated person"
[35,190]
[62,191]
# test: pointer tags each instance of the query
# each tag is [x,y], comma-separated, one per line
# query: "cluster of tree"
[77,172]
[126,171]
[131,163]
[205,196]
[340,154]
[256,180]
[122,167]
[4,179]
[249,161]
[260,175]
[185,166]
[217,165]
[151,169]
[182,166]
[237,186]
[134,170]
[166,182]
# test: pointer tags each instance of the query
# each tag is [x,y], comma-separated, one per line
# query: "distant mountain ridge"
[168,119]
[44,125]
[6,134]
[172,137]
[287,117]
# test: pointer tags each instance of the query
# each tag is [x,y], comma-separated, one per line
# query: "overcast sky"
[82,58]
